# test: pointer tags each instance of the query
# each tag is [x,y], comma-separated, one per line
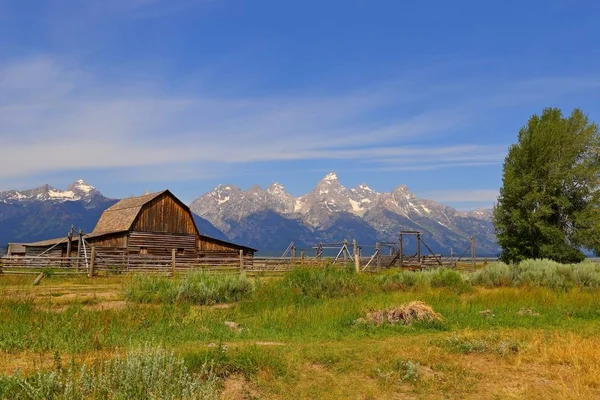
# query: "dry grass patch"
[236,387]
[404,314]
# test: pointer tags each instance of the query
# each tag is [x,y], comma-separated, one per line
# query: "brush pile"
[403,314]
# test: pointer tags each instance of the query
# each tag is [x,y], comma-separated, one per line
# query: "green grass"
[307,320]
[275,312]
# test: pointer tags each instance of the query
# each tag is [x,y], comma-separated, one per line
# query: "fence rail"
[117,262]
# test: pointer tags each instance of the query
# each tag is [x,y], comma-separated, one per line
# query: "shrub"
[195,288]
[148,373]
[448,278]
[587,274]
[323,282]
[543,273]
[398,281]
[546,273]
[487,344]
[408,371]
[495,274]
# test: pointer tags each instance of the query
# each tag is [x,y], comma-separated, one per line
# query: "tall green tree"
[549,203]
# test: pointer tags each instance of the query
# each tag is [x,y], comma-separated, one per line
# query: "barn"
[15,250]
[153,224]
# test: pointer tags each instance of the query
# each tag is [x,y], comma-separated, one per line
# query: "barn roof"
[121,216]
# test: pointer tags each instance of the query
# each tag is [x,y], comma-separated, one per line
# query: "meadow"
[504,332]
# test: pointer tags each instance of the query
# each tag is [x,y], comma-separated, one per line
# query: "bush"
[438,278]
[149,373]
[546,273]
[587,274]
[543,273]
[495,274]
[194,288]
[399,280]
[320,283]
[449,279]
[487,344]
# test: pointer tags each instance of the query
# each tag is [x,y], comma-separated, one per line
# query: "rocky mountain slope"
[271,218]
[46,212]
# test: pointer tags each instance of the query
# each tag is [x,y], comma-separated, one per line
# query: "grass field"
[503,334]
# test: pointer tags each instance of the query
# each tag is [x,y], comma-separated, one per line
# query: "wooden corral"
[154,225]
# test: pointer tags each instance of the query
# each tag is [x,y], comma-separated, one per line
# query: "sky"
[142,95]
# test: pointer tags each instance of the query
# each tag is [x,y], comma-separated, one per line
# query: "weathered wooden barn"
[152,224]
[15,250]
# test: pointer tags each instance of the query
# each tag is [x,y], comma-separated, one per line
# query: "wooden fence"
[106,262]
[116,262]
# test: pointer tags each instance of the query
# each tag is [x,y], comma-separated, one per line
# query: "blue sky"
[141,95]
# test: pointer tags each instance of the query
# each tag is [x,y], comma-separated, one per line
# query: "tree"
[549,203]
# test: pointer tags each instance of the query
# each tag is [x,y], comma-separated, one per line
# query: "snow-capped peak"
[80,186]
[78,190]
[332,176]
[276,189]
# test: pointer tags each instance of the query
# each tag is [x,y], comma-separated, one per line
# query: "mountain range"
[270,218]
[266,219]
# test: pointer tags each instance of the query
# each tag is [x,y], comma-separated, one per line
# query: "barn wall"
[206,244]
[34,251]
[118,240]
[161,244]
[164,214]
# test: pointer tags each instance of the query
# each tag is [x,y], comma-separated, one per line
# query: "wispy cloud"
[463,196]
[58,117]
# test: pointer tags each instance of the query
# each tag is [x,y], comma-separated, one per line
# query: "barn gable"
[165,213]
[122,215]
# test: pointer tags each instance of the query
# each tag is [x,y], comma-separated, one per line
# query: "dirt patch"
[222,305]
[269,344]
[403,314]
[527,312]
[106,305]
[237,388]
[234,326]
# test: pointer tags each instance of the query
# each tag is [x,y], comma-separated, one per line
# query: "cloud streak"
[58,117]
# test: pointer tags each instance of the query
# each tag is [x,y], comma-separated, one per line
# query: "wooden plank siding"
[208,244]
[161,244]
[164,214]
[116,240]
[34,251]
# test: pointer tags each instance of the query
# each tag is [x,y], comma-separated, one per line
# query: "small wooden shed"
[152,224]
[15,250]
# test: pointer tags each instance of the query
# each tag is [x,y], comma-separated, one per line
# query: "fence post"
[473,258]
[301,258]
[356,255]
[92,262]
[241,261]
[173,263]
[419,248]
